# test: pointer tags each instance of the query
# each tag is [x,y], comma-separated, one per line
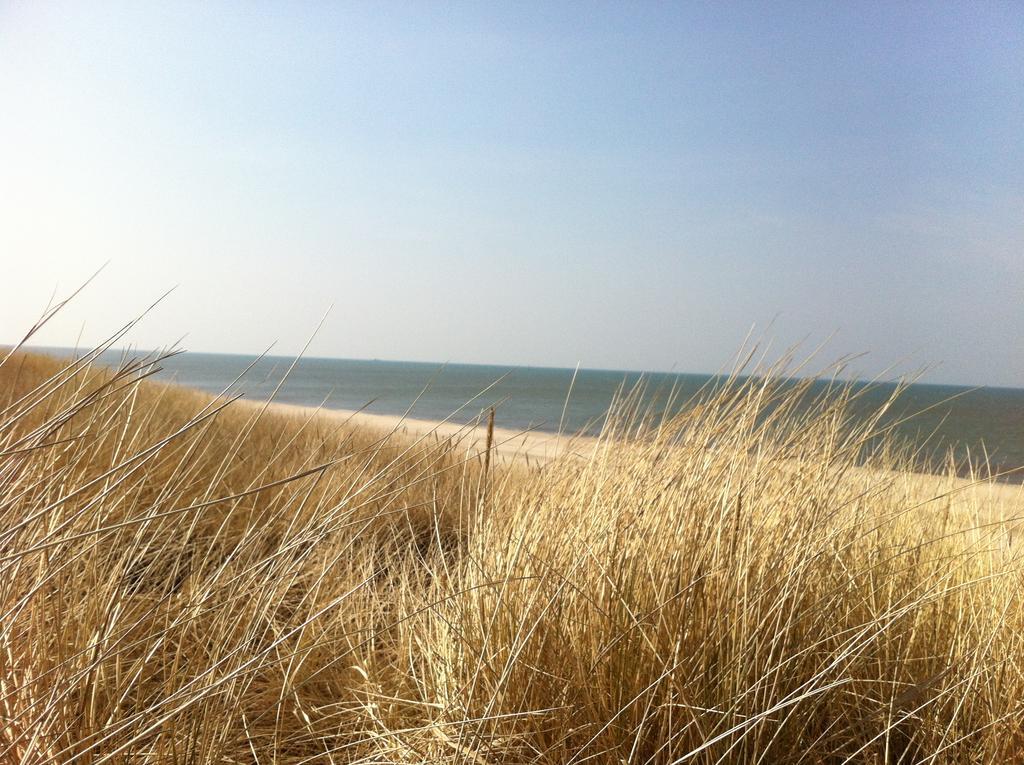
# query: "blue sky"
[623,185]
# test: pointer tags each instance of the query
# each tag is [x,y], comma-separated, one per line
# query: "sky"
[620,185]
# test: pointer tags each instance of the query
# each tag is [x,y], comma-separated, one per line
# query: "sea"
[973,424]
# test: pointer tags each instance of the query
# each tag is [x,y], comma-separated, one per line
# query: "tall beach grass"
[188,579]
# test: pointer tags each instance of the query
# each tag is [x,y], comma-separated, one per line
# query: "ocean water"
[981,421]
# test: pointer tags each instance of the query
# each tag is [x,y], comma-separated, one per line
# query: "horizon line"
[507,366]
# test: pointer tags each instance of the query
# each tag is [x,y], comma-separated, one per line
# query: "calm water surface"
[532,397]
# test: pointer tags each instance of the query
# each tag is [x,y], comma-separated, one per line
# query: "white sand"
[532,447]
[535,448]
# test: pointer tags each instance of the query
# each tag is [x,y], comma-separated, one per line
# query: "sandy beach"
[532,447]
[536,448]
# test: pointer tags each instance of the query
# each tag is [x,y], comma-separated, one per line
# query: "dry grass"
[184,582]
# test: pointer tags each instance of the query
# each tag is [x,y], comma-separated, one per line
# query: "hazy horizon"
[819,366]
[522,184]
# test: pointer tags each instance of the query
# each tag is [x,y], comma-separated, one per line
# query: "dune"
[537,448]
[187,579]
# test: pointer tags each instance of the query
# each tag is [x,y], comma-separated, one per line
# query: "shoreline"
[509,444]
[536,448]
[982,434]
